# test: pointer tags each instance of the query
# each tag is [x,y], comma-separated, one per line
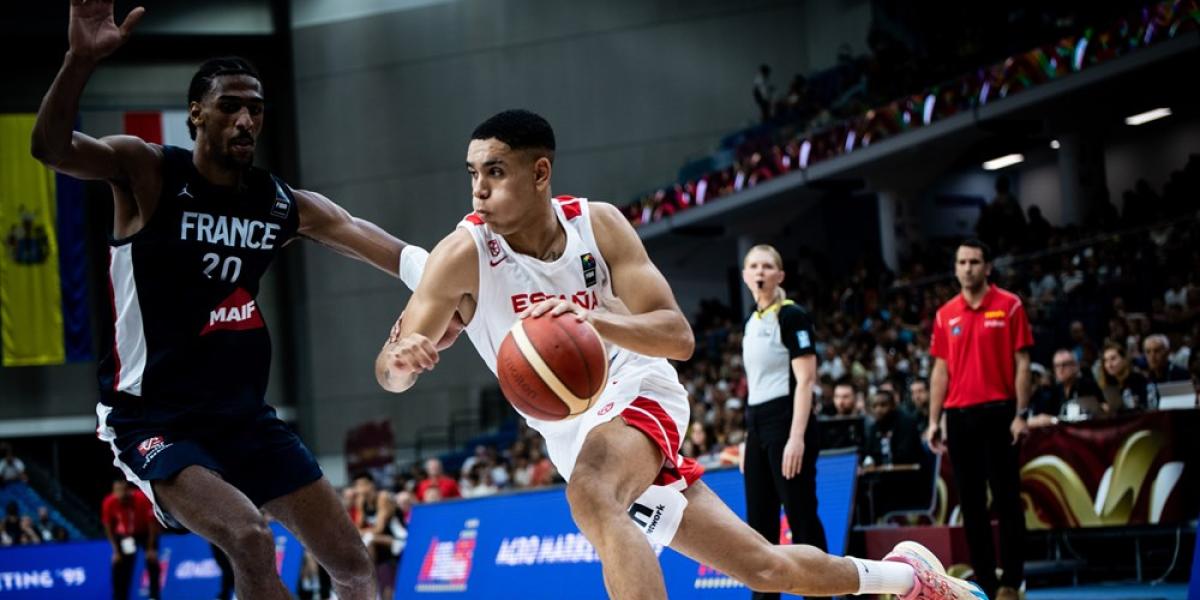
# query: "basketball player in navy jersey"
[621,456]
[182,392]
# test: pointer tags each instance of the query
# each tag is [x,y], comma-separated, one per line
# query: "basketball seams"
[573,343]
[508,358]
[574,403]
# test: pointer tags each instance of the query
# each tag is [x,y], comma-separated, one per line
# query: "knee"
[591,501]
[249,543]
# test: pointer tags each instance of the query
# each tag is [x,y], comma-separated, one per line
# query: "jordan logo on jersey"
[238,312]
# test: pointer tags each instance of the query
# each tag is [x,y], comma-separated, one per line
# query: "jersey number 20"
[231,267]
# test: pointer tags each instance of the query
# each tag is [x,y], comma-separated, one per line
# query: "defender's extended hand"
[94,33]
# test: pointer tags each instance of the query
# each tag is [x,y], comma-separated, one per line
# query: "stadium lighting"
[1146,117]
[1007,160]
[1054,145]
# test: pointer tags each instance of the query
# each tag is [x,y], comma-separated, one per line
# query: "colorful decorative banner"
[31,320]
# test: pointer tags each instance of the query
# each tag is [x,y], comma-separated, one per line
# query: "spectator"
[44,525]
[763,91]
[11,467]
[446,486]
[1081,345]
[845,400]
[1159,368]
[701,444]
[12,523]
[1122,386]
[981,340]
[129,523]
[382,531]
[1040,229]
[892,436]
[919,396]
[28,532]
[1074,397]
[1042,285]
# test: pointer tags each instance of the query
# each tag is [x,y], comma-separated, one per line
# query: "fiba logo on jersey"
[589,269]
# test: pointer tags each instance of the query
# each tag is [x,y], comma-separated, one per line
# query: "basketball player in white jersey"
[522,253]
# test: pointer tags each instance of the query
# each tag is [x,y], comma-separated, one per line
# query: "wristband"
[412,264]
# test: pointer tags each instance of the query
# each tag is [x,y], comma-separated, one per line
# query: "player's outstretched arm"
[450,278]
[323,221]
[655,325]
[93,35]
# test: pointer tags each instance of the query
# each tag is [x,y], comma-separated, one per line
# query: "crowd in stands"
[23,529]
[904,82]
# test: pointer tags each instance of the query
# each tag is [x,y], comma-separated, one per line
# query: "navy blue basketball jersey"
[189,337]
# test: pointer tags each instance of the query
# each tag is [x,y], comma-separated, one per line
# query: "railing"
[82,516]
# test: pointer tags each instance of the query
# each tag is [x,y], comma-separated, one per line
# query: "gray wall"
[386,104]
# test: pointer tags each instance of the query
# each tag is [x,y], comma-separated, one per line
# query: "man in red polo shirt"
[129,523]
[447,487]
[981,377]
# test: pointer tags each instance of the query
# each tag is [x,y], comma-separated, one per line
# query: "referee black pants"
[767,428]
[982,454]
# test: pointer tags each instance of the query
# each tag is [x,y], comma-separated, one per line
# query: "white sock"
[883,577]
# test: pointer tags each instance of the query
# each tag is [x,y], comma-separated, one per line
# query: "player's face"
[505,184]
[970,269]
[761,272]
[229,119]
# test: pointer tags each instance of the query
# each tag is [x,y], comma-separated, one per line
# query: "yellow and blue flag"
[43,257]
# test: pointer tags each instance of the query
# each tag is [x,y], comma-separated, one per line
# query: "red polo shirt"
[978,345]
[129,518]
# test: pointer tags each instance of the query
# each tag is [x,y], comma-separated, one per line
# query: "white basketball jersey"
[510,282]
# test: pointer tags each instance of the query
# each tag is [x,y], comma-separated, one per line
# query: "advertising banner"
[526,545]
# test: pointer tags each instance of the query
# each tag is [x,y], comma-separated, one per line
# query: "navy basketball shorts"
[259,455]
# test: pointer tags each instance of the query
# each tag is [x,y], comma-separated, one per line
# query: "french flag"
[167,128]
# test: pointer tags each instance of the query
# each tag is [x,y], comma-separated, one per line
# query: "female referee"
[781,426]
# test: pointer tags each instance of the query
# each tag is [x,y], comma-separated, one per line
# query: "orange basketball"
[552,368]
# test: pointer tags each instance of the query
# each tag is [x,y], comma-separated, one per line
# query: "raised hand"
[93,32]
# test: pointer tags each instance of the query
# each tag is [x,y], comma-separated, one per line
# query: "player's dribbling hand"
[453,330]
[556,307]
[412,354]
[93,33]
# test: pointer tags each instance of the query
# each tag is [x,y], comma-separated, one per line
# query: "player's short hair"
[982,247]
[211,69]
[520,129]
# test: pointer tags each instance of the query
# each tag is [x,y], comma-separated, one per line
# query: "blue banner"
[189,570]
[82,570]
[52,571]
[485,547]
